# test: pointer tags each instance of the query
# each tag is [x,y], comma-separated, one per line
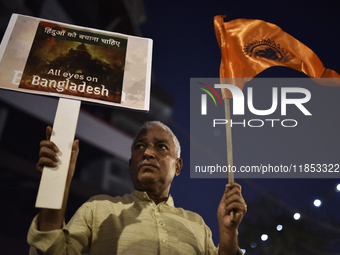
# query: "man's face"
[153,162]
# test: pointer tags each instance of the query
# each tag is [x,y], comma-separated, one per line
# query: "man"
[144,222]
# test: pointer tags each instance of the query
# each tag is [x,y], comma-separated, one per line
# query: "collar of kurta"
[142,195]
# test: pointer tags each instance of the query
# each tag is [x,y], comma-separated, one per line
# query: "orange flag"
[250,46]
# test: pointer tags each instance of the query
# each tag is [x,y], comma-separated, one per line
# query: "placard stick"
[229,146]
[53,180]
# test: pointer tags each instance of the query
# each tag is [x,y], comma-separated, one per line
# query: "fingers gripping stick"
[52,184]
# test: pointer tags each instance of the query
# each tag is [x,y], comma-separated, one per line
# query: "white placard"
[56,59]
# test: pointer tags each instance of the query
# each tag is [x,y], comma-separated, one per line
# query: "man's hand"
[50,219]
[48,155]
[232,200]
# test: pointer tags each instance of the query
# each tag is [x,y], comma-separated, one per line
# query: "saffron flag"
[250,46]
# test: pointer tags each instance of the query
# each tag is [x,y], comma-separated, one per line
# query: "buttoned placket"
[161,229]
[160,224]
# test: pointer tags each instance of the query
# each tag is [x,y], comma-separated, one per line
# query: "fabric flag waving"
[250,46]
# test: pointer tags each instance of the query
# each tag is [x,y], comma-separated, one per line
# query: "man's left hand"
[232,201]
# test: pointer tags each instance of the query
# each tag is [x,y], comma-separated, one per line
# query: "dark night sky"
[185,47]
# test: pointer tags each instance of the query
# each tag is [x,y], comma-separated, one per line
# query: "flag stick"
[229,146]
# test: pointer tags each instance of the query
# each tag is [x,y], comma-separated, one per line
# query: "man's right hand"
[50,219]
[48,155]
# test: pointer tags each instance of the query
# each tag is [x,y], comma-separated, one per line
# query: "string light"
[264,237]
[279,227]
[317,202]
[297,216]
[338,187]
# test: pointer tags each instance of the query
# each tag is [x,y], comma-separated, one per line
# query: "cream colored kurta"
[132,224]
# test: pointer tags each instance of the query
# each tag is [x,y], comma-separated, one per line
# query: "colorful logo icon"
[209,93]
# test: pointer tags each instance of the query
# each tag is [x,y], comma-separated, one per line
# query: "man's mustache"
[148,163]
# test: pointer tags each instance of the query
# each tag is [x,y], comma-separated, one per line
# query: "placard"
[71,62]
[57,59]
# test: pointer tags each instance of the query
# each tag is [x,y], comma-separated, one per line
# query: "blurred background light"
[338,187]
[279,227]
[264,237]
[317,202]
[297,216]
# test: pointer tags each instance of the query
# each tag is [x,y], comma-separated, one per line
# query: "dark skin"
[153,165]
[232,200]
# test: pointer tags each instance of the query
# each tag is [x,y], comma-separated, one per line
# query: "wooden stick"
[229,147]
